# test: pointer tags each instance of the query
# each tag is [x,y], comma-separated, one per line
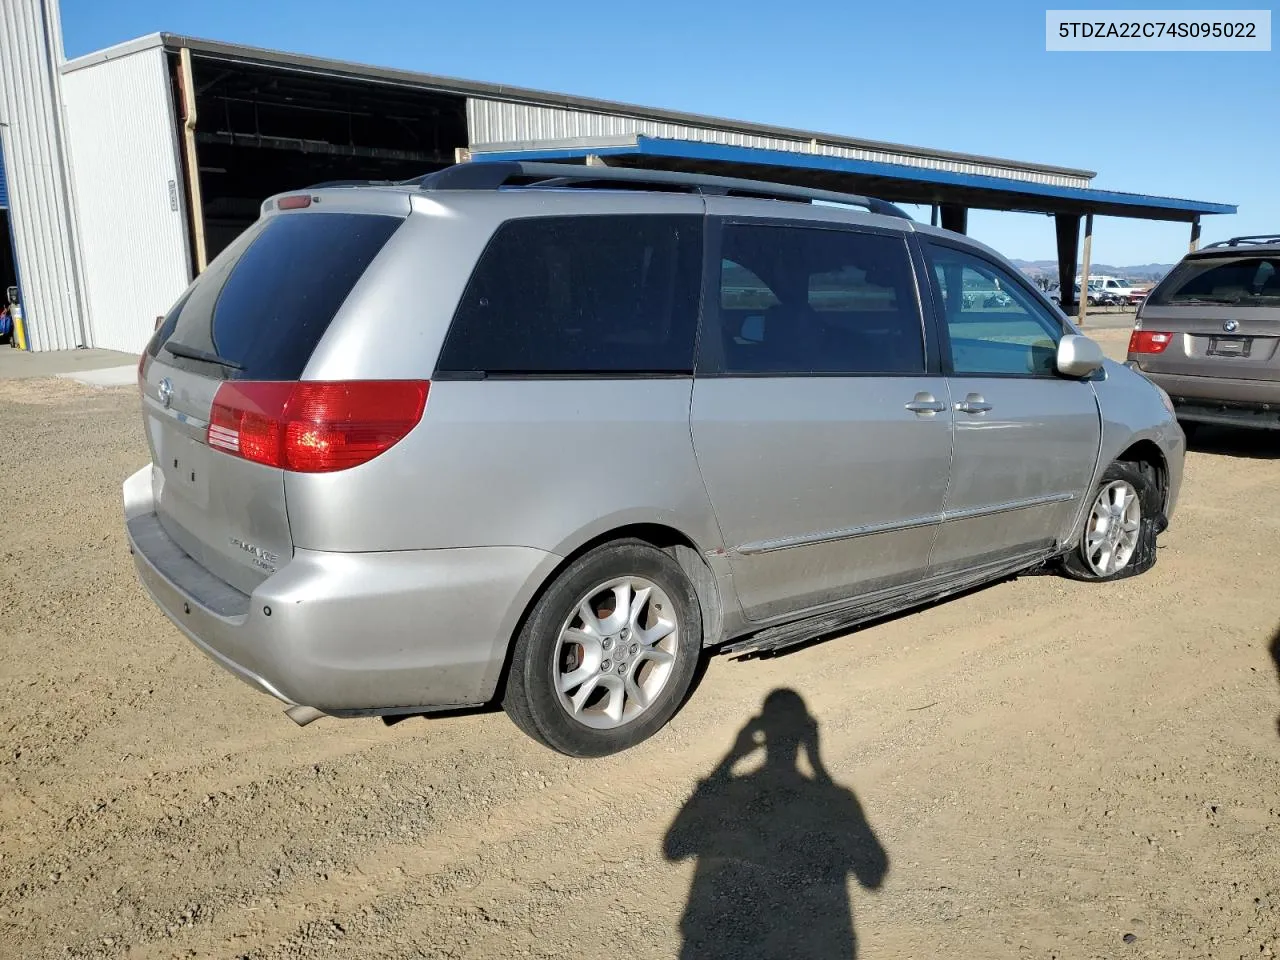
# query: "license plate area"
[185,466]
[1229,346]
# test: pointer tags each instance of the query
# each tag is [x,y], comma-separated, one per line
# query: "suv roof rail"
[1254,240]
[492,174]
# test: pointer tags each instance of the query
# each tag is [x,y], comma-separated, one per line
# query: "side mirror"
[1079,356]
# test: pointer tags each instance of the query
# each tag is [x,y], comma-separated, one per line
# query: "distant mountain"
[1143,271]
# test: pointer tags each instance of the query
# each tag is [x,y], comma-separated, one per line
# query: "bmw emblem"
[165,391]
[1231,326]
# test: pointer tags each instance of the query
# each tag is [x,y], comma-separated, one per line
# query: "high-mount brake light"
[296,202]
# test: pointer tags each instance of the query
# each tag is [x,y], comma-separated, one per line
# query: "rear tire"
[607,653]
[1118,539]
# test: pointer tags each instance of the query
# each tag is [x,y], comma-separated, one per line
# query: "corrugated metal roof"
[40,205]
[499,124]
[522,95]
[896,182]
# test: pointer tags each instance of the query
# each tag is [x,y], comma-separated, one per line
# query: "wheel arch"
[1148,452]
[666,537]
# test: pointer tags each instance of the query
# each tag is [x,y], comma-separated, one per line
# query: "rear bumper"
[348,632]
[1246,403]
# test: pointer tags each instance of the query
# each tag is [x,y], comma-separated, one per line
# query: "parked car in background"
[456,440]
[1209,334]
[1097,296]
[1119,289]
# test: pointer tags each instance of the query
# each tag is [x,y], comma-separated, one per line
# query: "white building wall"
[128,188]
[40,204]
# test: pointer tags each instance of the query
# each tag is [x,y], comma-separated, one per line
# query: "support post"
[1195,236]
[193,163]
[1067,228]
[955,217]
[1084,277]
[933,215]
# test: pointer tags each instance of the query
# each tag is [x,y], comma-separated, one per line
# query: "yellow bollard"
[19,328]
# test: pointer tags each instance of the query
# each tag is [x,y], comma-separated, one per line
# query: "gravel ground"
[1039,769]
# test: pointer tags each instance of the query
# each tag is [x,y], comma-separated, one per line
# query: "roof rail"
[327,184]
[1254,240]
[492,174]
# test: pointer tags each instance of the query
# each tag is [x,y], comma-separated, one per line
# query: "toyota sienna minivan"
[543,434]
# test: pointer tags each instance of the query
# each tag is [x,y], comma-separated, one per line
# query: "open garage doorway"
[8,262]
[262,129]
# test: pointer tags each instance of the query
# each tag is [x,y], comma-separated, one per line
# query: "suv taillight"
[1149,341]
[314,426]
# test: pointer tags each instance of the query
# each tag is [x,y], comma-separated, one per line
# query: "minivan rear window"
[1235,281]
[600,295]
[266,301]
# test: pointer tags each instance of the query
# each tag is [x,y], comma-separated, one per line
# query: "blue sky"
[972,77]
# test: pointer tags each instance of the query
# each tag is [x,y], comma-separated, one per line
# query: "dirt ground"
[1040,769]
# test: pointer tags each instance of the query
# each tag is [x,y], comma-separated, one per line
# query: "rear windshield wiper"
[192,353]
[1227,300]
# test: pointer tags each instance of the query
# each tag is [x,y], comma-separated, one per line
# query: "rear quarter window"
[267,299]
[589,295]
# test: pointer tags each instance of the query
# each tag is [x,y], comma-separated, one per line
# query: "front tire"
[1119,535]
[607,653]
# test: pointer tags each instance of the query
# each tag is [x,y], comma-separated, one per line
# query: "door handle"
[973,403]
[925,404]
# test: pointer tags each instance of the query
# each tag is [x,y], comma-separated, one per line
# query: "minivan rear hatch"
[1217,314]
[255,315]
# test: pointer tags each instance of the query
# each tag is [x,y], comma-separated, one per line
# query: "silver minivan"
[544,434]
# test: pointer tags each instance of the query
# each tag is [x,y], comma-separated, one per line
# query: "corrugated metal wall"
[40,205]
[503,122]
[122,141]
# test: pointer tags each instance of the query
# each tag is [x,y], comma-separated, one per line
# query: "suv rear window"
[1239,281]
[602,295]
[266,301]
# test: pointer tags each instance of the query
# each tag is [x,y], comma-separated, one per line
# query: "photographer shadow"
[1275,656]
[774,848]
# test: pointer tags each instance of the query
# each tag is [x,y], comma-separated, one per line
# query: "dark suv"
[1208,334]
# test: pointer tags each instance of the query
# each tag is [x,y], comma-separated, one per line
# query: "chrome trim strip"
[849,533]
[194,422]
[1008,506]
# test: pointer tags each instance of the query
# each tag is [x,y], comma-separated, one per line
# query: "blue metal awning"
[4,187]
[890,181]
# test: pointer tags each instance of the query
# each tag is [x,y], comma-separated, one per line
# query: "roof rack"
[1255,240]
[492,174]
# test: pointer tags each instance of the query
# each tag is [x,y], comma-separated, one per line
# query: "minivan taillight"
[314,426]
[1149,341]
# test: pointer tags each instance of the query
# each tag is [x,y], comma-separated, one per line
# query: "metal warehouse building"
[130,168]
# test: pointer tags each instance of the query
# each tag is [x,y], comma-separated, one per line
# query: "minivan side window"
[817,301]
[996,327]
[604,295]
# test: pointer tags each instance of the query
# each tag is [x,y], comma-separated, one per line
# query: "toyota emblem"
[1231,326]
[166,392]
